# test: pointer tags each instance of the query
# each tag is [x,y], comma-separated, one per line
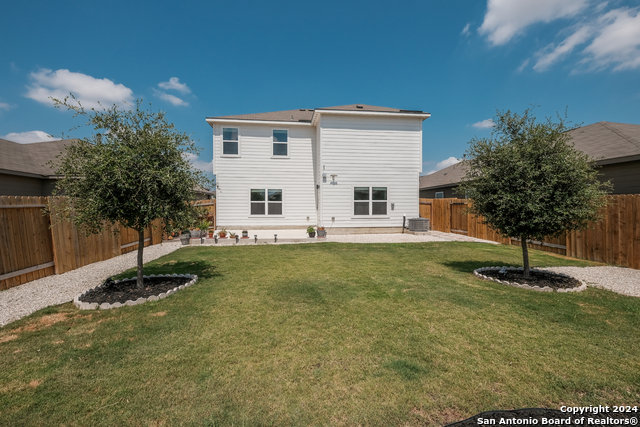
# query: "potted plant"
[222,233]
[311,231]
[322,232]
[204,227]
[245,234]
[184,237]
[232,235]
[195,232]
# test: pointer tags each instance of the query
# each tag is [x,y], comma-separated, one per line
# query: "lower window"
[266,201]
[369,201]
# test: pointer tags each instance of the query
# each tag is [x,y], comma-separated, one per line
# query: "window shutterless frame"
[266,202]
[370,201]
[279,143]
[230,141]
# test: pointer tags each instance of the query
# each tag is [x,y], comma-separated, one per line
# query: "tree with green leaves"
[529,182]
[132,170]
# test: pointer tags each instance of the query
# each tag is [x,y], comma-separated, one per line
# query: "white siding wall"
[255,168]
[369,151]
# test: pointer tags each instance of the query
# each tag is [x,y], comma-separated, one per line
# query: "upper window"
[230,142]
[280,142]
[439,194]
[370,200]
[266,201]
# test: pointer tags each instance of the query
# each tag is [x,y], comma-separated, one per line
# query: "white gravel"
[625,281]
[431,236]
[20,301]
[23,300]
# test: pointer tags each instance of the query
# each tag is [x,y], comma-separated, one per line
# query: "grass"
[324,334]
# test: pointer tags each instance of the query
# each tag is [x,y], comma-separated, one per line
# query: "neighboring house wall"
[256,168]
[624,176]
[448,193]
[16,185]
[368,151]
[48,186]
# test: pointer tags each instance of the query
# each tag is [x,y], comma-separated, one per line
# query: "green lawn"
[323,334]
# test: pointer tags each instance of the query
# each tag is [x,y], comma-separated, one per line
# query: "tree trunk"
[525,256]
[139,281]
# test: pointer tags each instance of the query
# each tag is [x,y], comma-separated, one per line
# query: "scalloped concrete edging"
[106,306]
[478,273]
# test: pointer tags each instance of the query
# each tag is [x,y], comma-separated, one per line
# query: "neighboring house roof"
[446,177]
[608,142]
[605,142]
[305,115]
[29,159]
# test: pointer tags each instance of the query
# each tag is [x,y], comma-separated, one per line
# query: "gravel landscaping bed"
[625,281]
[126,290]
[23,300]
[541,280]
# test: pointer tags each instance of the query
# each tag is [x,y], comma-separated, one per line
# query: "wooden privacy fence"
[613,240]
[30,248]
[210,207]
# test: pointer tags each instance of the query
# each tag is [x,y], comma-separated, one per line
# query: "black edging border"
[107,306]
[478,273]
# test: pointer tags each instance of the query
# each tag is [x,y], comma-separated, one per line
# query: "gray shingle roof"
[30,158]
[605,142]
[305,115]
[444,177]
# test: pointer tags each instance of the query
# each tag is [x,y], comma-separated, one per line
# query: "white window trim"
[273,156]
[266,202]
[371,215]
[439,192]
[222,141]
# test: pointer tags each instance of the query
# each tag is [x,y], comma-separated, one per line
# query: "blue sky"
[458,60]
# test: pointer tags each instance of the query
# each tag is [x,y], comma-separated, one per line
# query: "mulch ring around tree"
[539,280]
[121,291]
[545,417]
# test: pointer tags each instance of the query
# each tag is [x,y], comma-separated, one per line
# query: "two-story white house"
[352,168]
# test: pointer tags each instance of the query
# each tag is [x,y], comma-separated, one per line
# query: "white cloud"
[206,167]
[484,124]
[174,83]
[611,36]
[28,137]
[551,54]
[506,19]
[444,164]
[4,106]
[465,31]
[88,90]
[523,65]
[599,7]
[170,98]
[617,41]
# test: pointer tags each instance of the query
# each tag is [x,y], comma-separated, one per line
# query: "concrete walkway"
[301,236]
